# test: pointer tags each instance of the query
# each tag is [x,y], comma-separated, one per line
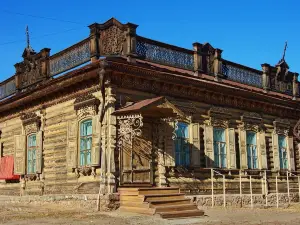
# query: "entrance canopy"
[130,118]
[158,107]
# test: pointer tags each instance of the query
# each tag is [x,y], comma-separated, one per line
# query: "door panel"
[136,161]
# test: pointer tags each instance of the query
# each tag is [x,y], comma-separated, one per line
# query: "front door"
[136,161]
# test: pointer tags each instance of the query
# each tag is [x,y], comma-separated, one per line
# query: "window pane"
[219,134]
[82,144]
[82,158]
[251,138]
[32,140]
[33,160]
[88,158]
[249,158]
[282,152]
[89,143]
[182,154]
[29,161]
[216,154]
[86,128]
[223,155]
[281,141]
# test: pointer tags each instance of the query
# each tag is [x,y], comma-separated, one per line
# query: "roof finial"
[27,37]
[285,47]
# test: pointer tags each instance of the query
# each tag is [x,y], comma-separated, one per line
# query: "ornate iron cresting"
[8,88]
[165,55]
[129,127]
[70,57]
[242,75]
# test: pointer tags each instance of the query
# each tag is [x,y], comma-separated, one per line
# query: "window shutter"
[195,141]
[262,150]
[291,153]
[208,144]
[20,154]
[39,151]
[169,144]
[95,140]
[231,154]
[72,144]
[243,149]
[275,151]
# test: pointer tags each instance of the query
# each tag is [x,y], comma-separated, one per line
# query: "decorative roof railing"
[242,74]
[114,38]
[70,57]
[165,54]
[7,87]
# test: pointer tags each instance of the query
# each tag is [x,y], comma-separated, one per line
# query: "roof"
[138,106]
[153,107]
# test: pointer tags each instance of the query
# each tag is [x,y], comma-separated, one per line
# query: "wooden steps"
[166,202]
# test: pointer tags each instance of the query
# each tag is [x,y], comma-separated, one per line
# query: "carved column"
[295,86]
[111,137]
[160,150]
[94,42]
[266,76]
[197,59]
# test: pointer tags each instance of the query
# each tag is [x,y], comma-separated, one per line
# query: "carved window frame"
[87,118]
[86,107]
[252,122]
[219,118]
[32,124]
[282,128]
[187,139]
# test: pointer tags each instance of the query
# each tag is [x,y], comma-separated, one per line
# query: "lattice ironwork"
[7,89]
[165,56]
[242,75]
[69,59]
[129,127]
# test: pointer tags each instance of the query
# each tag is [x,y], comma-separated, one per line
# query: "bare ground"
[20,213]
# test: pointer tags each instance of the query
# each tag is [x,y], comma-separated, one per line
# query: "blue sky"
[249,32]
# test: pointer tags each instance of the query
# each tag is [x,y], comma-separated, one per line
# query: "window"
[251,150]
[31,154]
[219,148]
[182,150]
[85,142]
[283,158]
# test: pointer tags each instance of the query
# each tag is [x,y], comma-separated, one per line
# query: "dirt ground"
[17,213]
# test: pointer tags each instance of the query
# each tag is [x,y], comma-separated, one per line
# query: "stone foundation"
[89,201]
[245,200]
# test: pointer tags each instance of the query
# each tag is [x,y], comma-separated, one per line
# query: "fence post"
[224,190]
[266,188]
[288,186]
[251,191]
[241,196]
[277,198]
[212,187]
[299,188]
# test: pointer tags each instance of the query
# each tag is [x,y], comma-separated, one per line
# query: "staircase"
[167,202]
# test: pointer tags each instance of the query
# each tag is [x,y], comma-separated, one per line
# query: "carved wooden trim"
[86,106]
[31,122]
[281,126]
